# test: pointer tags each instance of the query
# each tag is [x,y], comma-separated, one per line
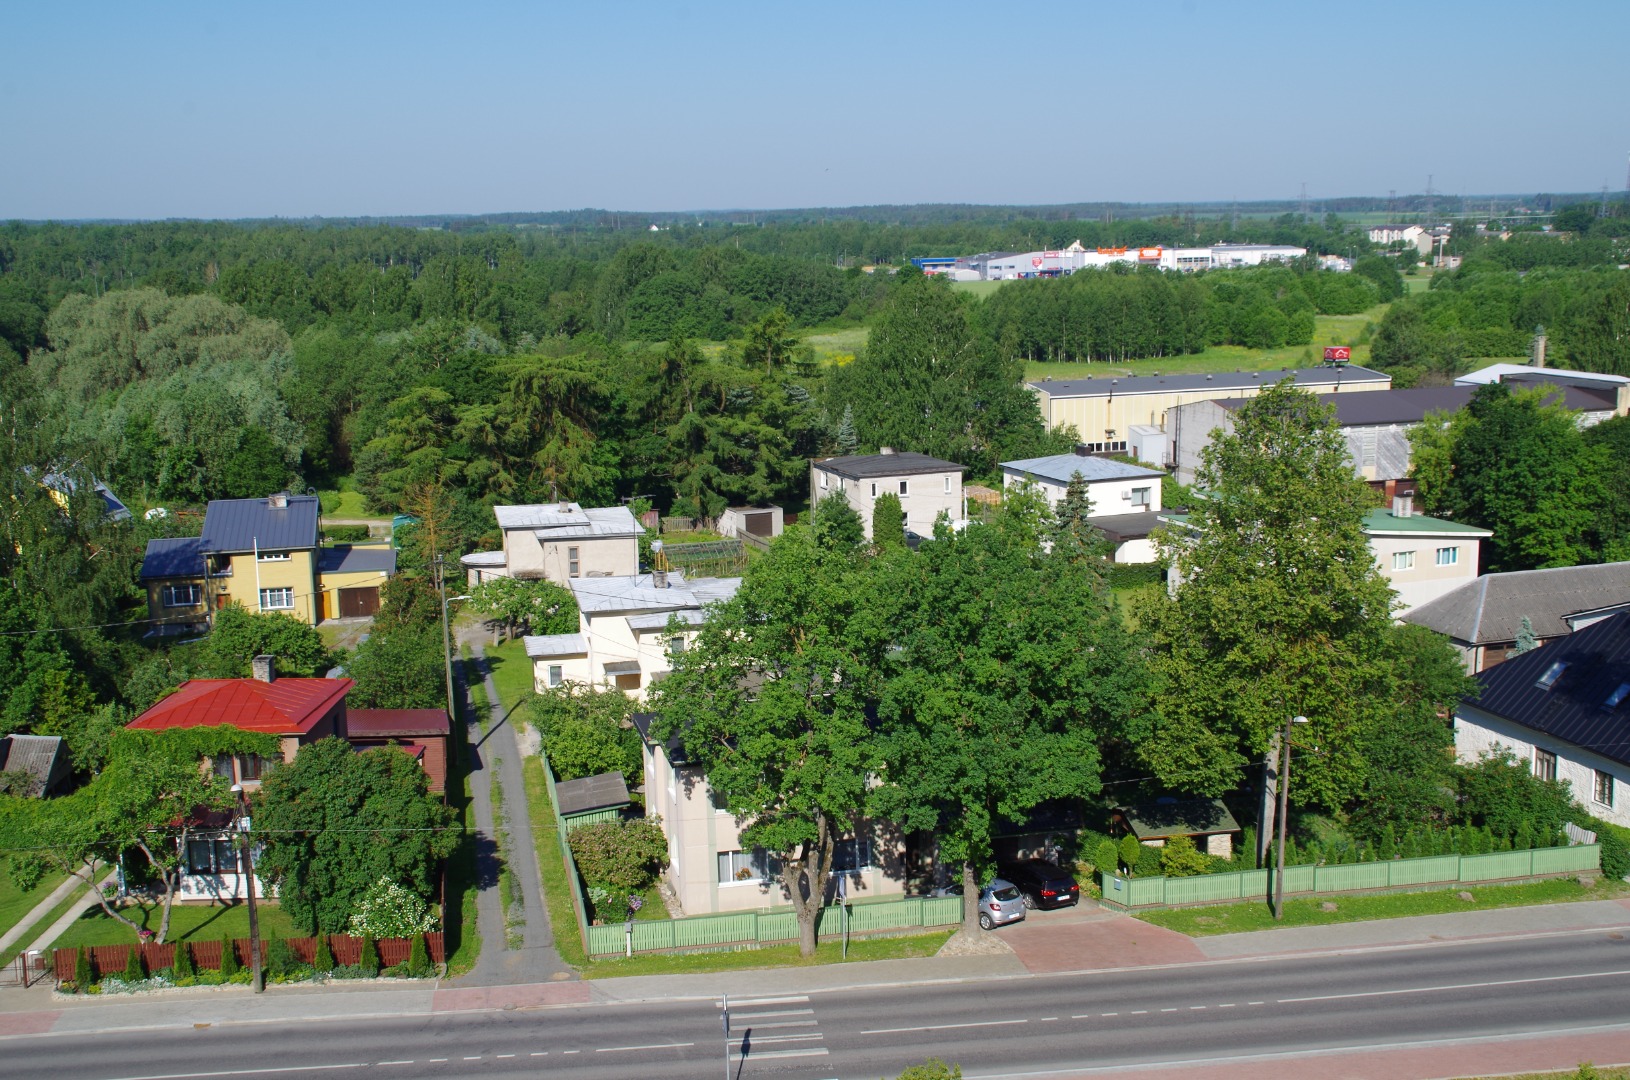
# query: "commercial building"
[1105,411]
[1013,266]
[926,486]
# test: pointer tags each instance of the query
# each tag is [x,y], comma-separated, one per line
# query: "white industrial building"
[1011,266]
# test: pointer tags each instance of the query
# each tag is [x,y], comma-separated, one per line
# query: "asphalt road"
[1040,1026]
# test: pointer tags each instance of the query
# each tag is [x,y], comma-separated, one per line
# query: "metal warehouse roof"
[243,524]
[1411,406]
[1492,607]
[1222,382]
[1595,665]
[865,466]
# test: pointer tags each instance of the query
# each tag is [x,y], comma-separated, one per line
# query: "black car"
[1044,884]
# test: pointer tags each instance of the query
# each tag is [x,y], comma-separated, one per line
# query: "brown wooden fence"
[206,955]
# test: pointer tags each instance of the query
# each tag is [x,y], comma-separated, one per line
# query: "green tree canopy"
[587,732]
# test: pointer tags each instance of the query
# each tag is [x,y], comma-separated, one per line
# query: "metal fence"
[1125,893]
[752,928]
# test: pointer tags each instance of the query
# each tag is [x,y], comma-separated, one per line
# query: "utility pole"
[1284,818]
[247,857]
[446,636]
[1270,792]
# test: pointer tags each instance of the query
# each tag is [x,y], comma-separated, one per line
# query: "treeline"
[1120,314]
[1485,310]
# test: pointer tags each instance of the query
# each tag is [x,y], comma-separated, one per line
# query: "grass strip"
[828,951]
[509,896]
[1308,911]
[557,890]
[42,924]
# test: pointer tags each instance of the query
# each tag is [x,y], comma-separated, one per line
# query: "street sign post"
[726,1037]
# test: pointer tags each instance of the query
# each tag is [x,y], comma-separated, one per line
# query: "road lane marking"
[780,1024]
[799,1000]
[1255,1003]
[754,1055]
[647,1046]
[1047,1018]
[506,1055]
[775,1012]
[571,1051]
[247,1072]
[943,1027]
[1137,1012]
[1195,1008]
[1168,1010]
[1456,986]
[1230,1005]
[1109,1014]
[476,1057]
[396,1063]
[539,1053]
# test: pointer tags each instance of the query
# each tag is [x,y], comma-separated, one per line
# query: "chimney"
[659,579]
[280,501]
[1403,504]
[885,449]
[265,667]
[1081,450]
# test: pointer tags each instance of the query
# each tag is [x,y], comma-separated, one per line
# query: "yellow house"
[262,554]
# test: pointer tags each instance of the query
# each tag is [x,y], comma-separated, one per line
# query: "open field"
[1307,911]
[979,289]
[832,346]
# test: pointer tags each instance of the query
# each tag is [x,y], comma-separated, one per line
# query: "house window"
[851,855]
[211,857]
[1448,556]
[1544,764]
[251,766]
[1552,674]
[874,491]
[676,645]
[182,595]
[557,675]
[1140,497]
[903,491]
[826,480]
[630,681]
[273,556]
[1403,560]
[277,599]
[1604,788]
[947,485]
[755,865]
[573,563]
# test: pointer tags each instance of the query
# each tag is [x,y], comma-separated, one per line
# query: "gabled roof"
[866,466]
[181,557]
[1179,817]
[356,559]
[606,791]
[284,706]
[1060,468]
[568,521]
[244,524]
[43,758]
[548,646]
[1575,707]
[1221,382]
[1491,609]
[396,723]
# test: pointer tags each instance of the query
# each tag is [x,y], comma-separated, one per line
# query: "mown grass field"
[1308,911]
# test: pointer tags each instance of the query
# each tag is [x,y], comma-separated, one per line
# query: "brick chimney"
[265,667]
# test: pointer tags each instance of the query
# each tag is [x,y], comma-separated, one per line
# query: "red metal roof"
[385,723]
[281,707]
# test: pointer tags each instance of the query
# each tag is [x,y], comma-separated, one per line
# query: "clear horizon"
[374,110]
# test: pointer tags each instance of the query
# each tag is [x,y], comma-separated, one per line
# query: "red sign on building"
[1337,352]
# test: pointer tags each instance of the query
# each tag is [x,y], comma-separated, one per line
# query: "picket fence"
[751,928]
[1128,893]
[206,955]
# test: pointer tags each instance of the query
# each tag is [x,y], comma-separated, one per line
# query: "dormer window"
[1552,674]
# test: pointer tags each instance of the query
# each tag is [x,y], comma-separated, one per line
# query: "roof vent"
[1208,378]
[280,501]
[1403,505]
[885,449]
[659,579]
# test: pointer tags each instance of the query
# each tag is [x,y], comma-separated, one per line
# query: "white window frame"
[904,489]
[1602,790]
[1403,560]
[195,596]
[574,561]
[1544,763]
[273,556]
[874,490]
[947,485]
[1142,496]
[284,593]
[826,480]
[755,867]
[1448,556]
[557,674]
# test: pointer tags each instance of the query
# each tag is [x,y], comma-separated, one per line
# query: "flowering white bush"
[390,911]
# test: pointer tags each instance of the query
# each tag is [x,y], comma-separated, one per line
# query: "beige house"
[1422,557]
[560,542]
[1104,410]
[1125,499]
[927,487]
[624,640]
[709,868]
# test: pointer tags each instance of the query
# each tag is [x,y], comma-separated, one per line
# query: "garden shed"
[1206,821]
[592,799]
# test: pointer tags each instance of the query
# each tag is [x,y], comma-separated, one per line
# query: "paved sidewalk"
[40,911]
[69,917]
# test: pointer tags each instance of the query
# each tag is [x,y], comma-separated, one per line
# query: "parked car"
[1000,903]
[1043,884]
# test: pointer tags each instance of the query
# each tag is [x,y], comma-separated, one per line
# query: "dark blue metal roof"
[1575,707]
[347,559]
[244,524]
[181,557]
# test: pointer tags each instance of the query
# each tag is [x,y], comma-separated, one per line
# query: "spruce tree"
[84,970]
[369,962]
[135,970]
[182,966]
[848,442]
[229,959]
[322,959]
[418,964]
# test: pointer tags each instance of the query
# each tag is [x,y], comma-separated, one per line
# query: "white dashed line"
[506,1055]
[1195,1008]
[539,1053]
[1047,1018]
[943,1027]
[1168,1010]
[396,1063]
[1230,1005]
[1135,1012]
[648,1046]
[477,1057]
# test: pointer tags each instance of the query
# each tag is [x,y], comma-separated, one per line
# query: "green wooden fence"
[763,927]
[1352,877]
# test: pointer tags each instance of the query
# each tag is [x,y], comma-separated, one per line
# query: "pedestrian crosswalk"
[762,1029]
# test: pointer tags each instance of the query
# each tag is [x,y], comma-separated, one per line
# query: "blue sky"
[296,108]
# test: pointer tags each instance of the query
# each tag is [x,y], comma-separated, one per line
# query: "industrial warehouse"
[1010,266]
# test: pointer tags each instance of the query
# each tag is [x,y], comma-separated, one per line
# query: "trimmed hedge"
[1132,575]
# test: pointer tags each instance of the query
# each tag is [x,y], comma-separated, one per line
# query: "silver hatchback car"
[1000,902]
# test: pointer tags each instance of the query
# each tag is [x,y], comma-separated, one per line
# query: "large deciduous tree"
[1008,667]
[333,822]
[771,702]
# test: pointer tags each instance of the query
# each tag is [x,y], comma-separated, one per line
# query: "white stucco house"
[927,487]
[559,542]
[1565,710]
[1125,499]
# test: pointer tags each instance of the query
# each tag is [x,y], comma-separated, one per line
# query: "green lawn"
[836,346]
[189,922]
[511,673]
[557,890]
[463,938]
[1417,283]
[346,501]
[1305,911]
[16,903]
[979,289]
[40,925]
[829,951]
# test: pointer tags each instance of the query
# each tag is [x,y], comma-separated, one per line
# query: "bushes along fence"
[206,955]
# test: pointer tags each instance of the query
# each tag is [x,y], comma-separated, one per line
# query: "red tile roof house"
[298,712]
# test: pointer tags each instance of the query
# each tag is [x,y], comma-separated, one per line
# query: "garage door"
[358,602]
[760,524]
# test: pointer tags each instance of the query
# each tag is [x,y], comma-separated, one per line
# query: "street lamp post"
[1284,824]
[246,858]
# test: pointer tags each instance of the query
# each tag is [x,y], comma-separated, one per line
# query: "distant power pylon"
[1304,201]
